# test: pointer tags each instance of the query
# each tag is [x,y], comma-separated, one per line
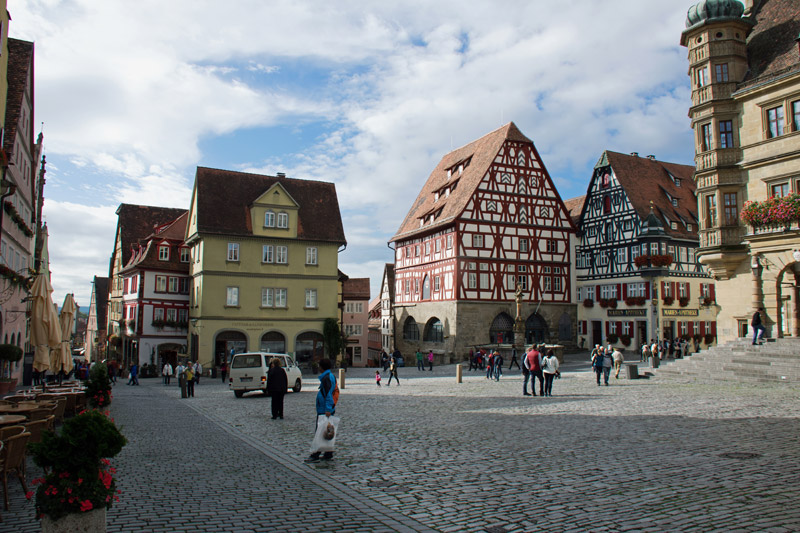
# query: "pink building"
[355,320]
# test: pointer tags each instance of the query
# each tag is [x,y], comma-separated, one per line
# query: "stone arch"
[535,329]
[228,342]
[273,342]
[502,329]
[410,330]
[434,331]
[309,346]
[787,298]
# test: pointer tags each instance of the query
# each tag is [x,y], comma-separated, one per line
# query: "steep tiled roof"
[646,180]
[772,49]
[136,222]
[225,196]
[101,300]
[20,61]
[356,289]
[574,207]
[477,157]
[147,256]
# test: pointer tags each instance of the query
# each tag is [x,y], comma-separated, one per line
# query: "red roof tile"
[772,49]
[355,289]
[20,63]
[224,198]
[136,222]
[147,256]
[477,157]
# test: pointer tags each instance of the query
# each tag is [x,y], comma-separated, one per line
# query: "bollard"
[182,381]
[341,378]
[458,373]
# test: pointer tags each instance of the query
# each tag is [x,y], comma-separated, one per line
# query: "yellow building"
[264,264]
[744,64]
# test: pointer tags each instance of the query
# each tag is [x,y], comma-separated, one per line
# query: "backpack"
[335,394]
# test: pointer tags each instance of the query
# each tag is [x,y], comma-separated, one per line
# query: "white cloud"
[130,93]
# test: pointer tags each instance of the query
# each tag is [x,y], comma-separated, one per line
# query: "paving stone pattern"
[639,455]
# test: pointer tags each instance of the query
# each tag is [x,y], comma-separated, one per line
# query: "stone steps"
[738,360]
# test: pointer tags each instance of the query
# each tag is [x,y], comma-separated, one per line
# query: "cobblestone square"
[433,455]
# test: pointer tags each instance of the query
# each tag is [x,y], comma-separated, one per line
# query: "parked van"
[248,372]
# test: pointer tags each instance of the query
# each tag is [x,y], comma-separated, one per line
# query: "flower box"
[773,211]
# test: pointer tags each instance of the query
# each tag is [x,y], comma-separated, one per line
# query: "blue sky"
[366,95]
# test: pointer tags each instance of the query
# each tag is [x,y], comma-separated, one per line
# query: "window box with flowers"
[656,261]
[625,340]
[683,301]
[635,301]
[707,301]
[79,485]
[588,302]
[603,302]
[668,300]
[9,208]
[14,278]
[709,339]
[612,338]
[158,323]
[776,211]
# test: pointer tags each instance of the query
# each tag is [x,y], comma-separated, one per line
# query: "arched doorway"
[309,347]
[434,331]
[410,330]
[273,342]
[168,353]
[788,301]
[502,330]
[228,343]
[535,329]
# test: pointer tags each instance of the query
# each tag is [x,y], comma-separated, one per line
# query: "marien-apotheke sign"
[680,312]
[627,312]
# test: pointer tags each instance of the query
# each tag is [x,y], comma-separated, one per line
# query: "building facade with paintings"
[487,220]
[263,263]
[744,65]
[636,265]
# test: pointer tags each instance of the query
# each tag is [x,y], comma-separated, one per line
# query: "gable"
[275,213]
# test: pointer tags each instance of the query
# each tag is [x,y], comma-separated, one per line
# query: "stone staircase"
[775,361]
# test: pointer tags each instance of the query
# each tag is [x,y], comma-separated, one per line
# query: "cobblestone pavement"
[639,455]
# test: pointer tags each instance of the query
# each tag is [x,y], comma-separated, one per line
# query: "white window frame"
[281,297]
[232,297]
[233,251]
[173,284]
[477,240]
[311,298]
[267,253]
[311,255]
[185,255]
[161,283]
[282,255]
[283,220]
[269,219]
[158,313]
[163,252]
[267,297]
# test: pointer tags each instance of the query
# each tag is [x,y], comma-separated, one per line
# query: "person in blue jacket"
[325,404]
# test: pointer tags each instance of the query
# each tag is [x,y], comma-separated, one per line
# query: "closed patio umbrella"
[45,327]
[66,321]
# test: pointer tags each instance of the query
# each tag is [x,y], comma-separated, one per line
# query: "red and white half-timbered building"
[488,220]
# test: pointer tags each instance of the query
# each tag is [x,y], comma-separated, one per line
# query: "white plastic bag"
[320,443]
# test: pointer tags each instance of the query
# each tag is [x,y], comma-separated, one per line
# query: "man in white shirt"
[166,372]
[198,369]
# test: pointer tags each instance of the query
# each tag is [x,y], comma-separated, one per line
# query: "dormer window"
[676,181]
[606,181]
[283,220]
[436,197]
[674,202]
[673,225]
[269,219]
[449,173]
[163,252]
[184,254]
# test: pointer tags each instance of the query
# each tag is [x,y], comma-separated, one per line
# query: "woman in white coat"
[550,370]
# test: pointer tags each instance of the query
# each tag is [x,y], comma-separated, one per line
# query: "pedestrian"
[618,360]
[608,362]
[384,360]
[645,352]
[326,404]
[223,370]
[473,360]
[420,362]
[430,360]
[378,377]
[393,372]
[758,327]
[134,375]
[188,374]
[550,371]
[198,369]
[277,385]
[498,365]
[526,375]
[597,362]
[166,371]
[113,369]
[513,358]
[490,366]
[533,362]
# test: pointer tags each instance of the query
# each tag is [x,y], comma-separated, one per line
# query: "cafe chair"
[37,428]
[10,431]
[39,414]
[12,461]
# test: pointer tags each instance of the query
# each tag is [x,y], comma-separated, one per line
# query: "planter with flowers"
[776,211]
[98,388]
[79,485]
[9,354]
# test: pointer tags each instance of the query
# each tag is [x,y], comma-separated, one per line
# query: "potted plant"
[79,485]
[588,302]
[9,353]
[98,388]
[683,301]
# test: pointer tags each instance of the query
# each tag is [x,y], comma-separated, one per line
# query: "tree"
[332,336]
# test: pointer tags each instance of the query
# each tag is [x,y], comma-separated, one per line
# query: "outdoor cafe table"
[17,409]
[10,420]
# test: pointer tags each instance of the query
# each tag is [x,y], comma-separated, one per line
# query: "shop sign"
[680,312]
[627,312]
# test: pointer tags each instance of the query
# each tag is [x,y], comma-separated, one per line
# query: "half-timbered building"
[636,266]
[488,220]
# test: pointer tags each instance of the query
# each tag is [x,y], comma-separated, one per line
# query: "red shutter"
[607,328]
[647,290]
[619,291]
[674,290]
[619,328]
[713,328]
[630,325]
[688,290]
[711,292]
[624,291]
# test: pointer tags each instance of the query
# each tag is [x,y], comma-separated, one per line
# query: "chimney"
[635,154]
[651,157]
[281,175]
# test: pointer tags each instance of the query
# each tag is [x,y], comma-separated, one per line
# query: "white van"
[248,372]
